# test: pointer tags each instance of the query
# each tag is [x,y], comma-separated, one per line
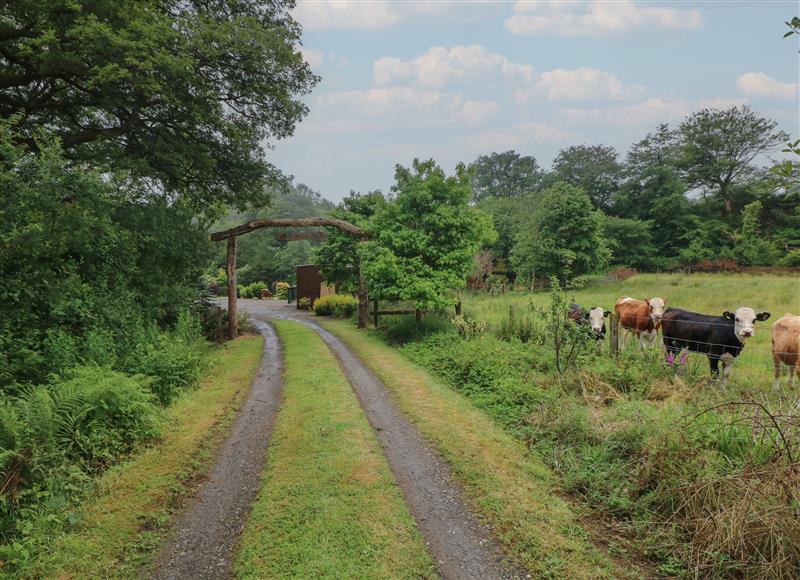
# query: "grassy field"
[508,487]
[700,482]
[328,507]
[125,520]
[705,293]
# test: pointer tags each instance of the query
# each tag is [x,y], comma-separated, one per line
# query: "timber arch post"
[251,226]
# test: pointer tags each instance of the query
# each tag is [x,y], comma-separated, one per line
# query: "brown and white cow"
[641,318]
[786,347]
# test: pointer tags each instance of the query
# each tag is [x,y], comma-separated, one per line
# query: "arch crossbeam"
[290,223]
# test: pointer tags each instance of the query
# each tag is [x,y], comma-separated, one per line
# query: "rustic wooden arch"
[253,225]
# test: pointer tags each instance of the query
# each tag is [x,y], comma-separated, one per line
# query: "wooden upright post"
[375,312]
[363,299]
[613,339]
[233,328]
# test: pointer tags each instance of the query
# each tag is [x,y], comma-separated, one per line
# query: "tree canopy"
[593,168]
[422,240]
[338,256]
[504,175]
[183,93]
[561,236]
[718,148]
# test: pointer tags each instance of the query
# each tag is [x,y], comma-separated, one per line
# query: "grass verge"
[126,518]
[328,506]
[508,486]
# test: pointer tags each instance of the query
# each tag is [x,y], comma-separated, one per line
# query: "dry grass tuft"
[674,389]
[752,518]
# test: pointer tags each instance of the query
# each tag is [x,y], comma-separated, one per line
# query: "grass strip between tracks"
[328,506]
[506,485]
[127,517]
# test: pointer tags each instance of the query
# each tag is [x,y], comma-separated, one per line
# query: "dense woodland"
[706,190]
[707,194]
[127,129]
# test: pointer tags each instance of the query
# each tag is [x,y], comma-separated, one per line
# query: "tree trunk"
[233,328]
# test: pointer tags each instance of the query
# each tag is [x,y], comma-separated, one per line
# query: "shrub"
[339,305]
[519,326]
[282,290]
[173,359]
[254,289]
[304,303]
[792,259]
[469,327]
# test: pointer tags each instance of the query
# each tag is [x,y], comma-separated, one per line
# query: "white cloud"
[579,84]
[381,14]
[596,18]
[313,57]
[490,141]
[475,111]
[645,114]
[759,84]
[459,65]
[321,15]
[523,135]
[542,133]
[389,102]
[383,107]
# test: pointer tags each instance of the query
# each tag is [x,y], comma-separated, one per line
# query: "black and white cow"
[594,317]
[721,338]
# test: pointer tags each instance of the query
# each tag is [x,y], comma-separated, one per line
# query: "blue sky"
[453,80]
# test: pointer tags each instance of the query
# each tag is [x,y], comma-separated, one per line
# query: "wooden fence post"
[458,308]
[375,312]
[233,326]
[613,342]
[363,299]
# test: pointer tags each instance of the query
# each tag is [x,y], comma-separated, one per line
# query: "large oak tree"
[185,93]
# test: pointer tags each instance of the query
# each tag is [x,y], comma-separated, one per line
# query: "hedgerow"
[339,305]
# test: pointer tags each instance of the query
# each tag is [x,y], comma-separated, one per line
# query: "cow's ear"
[728,315]
[606,313]
[762,316]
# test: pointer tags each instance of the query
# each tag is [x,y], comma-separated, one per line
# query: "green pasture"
[705,293]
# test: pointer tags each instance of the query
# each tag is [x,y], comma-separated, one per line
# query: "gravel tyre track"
[206,535]
[461,545]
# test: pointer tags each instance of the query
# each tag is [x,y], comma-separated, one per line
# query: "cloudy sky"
[453,80]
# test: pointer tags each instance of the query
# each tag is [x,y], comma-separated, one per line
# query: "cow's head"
[594,316]
[657,306]
[744,320]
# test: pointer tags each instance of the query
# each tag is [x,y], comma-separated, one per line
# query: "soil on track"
[204,541]
[461,545]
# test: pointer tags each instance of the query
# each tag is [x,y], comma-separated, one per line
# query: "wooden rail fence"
[377,313]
